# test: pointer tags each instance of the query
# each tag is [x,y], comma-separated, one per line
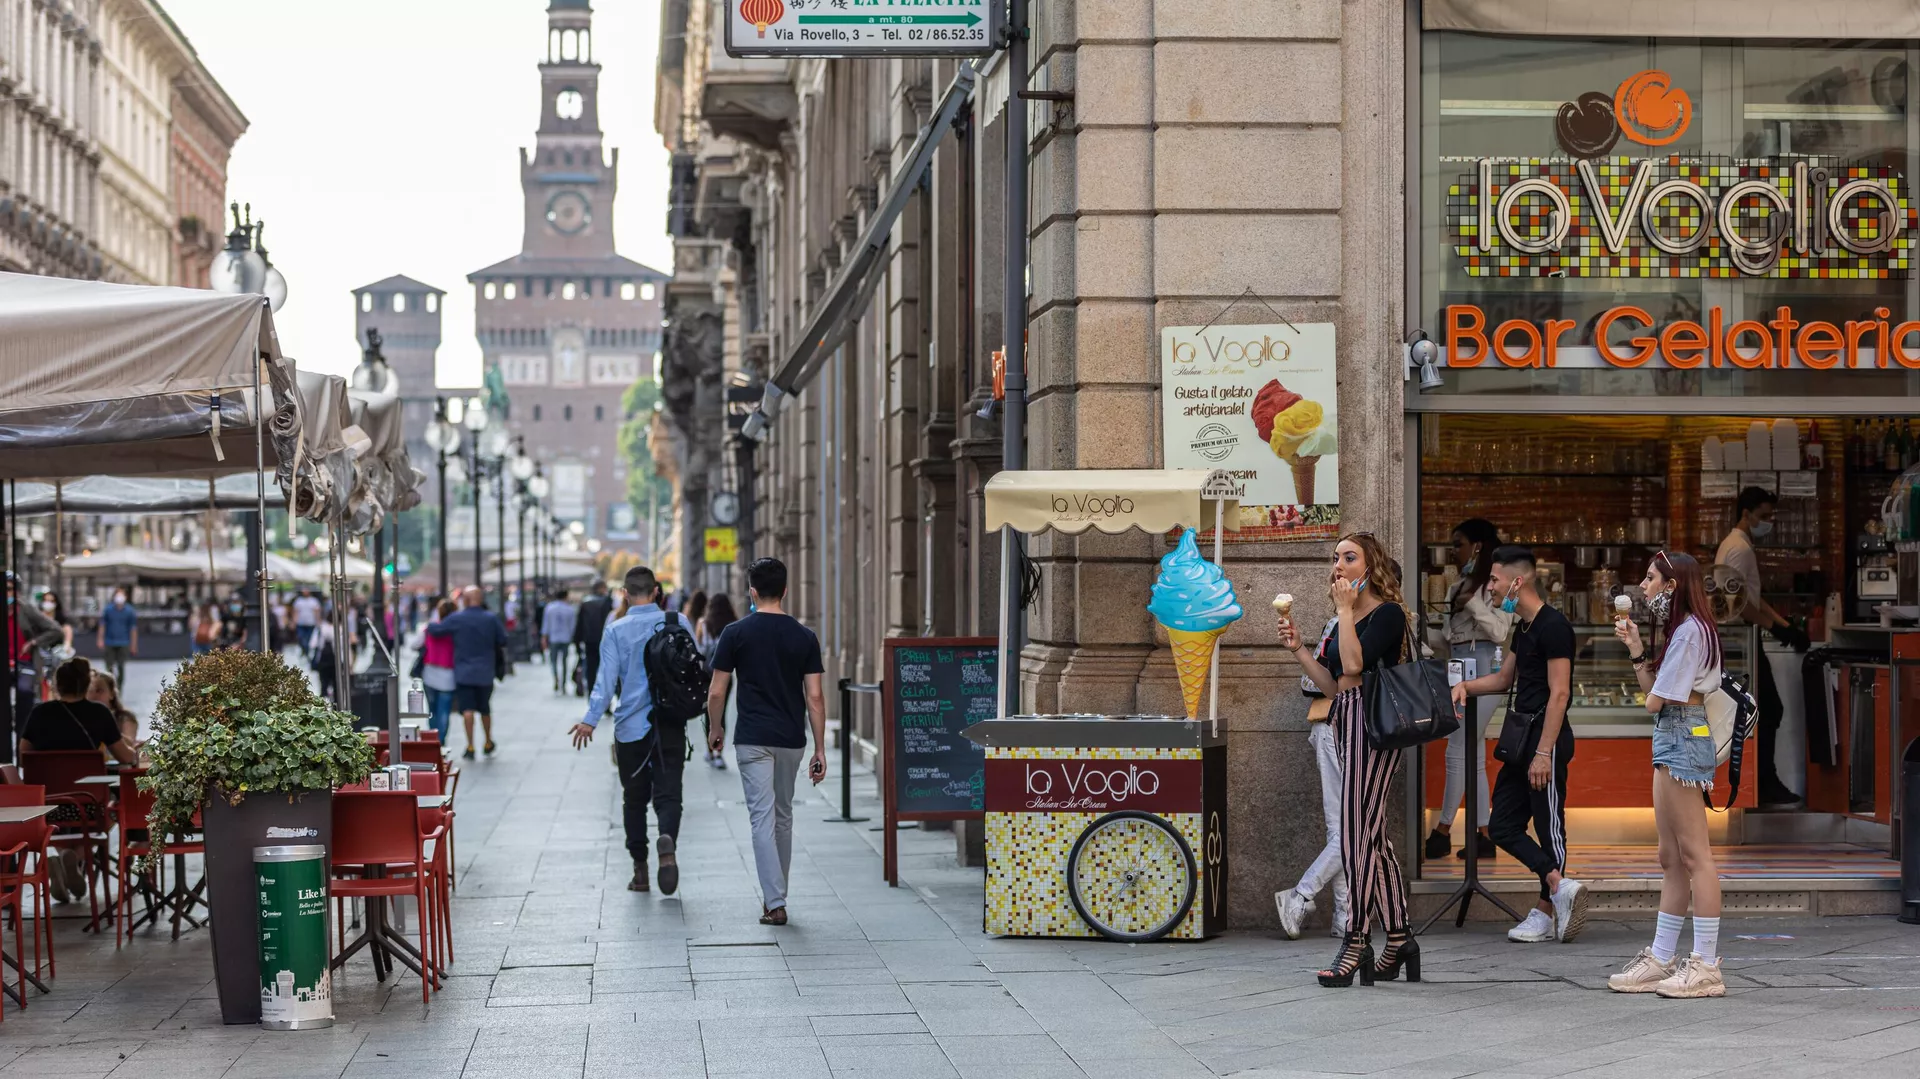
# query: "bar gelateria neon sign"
[1627,336]
[1674,215]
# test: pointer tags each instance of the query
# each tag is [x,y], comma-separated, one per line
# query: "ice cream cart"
[1115,826]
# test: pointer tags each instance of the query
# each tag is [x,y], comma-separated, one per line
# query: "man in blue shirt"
[556,631]
[477,637]
[648,754]
[119,635]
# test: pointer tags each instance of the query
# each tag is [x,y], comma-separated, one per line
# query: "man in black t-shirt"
[777,663]
[1533,785]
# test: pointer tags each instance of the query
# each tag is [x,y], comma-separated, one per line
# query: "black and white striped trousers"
[1378,891]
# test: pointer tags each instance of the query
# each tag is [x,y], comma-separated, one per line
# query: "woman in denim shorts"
[1677,682]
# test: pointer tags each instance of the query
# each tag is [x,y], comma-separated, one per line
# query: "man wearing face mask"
[1753,520]
[119,635]
[1532,785]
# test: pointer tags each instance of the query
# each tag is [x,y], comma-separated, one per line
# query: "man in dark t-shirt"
[776,662]
[1532,787]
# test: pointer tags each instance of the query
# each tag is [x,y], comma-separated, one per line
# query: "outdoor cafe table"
[20,815]
[384,944]
[179,900]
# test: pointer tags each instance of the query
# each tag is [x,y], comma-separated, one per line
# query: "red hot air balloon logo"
[762,13]
[1646,108]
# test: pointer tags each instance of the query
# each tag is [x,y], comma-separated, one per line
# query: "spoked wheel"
[1131,876]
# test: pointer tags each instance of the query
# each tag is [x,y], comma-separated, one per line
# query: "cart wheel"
[1131,876]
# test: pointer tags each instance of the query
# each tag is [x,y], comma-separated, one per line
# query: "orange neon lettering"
[1529,358]
[1713,337]
[1855,331]
[1818,345]
[1899,348]
[1465,323]
[1551,338]
[1761,358]
[1683,344]
[1883,346]
[1605,348]
[1784,324]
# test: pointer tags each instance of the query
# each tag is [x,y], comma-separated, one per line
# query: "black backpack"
[677,675]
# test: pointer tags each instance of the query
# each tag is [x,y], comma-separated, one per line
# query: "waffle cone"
[1303,469]
[1192,654]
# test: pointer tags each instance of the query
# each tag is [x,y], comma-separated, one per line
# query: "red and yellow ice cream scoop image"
[1272,400]
[1292,426]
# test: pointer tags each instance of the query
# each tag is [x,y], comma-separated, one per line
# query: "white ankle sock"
[1666,936]
[1706,938]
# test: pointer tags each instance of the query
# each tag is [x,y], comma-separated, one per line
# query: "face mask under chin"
[1661,604]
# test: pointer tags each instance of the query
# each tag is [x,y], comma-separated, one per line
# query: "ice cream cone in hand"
[1194,601]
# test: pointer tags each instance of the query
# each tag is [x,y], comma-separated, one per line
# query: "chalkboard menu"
[937,687]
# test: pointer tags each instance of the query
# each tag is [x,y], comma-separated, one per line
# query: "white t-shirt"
[306,611]
[1737,551]
[1686,668]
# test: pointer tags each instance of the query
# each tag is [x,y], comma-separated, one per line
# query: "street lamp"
[537,487]
[373,376]
[242,266]
[443,438]
[476,422]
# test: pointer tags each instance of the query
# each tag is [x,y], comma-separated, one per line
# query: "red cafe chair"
[28,867]
[87,827]
[382,828]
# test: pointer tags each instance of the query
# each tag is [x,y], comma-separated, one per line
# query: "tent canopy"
[142,494]
[1112,500]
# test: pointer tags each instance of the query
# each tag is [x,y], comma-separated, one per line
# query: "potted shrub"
[241,738]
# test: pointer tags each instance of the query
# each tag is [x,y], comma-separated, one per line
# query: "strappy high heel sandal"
[1402,950]
[1356,957]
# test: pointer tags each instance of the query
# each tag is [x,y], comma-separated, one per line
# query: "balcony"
[749,100]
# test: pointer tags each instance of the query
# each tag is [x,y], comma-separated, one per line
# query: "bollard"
[296,986]
[848,687]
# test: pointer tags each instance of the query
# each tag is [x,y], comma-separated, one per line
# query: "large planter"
[232,831]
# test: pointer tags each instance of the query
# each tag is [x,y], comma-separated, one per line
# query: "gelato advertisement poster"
[1259,402]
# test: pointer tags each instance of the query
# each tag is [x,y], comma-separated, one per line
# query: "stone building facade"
[569,324]
[1166,184]
[49,150]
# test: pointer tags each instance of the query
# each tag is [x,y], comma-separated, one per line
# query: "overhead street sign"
[802,28]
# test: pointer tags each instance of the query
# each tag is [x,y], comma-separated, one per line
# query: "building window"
[646,291]
[507,291]
[626,290]
[366,301]
[433,304]
[566,290]
[568,104]
[599,413]
[399,302]
[547,285]
[487,290]
[566,413]
[536,413]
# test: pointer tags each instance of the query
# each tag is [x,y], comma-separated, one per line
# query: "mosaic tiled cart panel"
[1585,252]
[1027,856]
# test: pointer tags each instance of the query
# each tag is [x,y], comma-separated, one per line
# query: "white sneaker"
[1643,974]
[1294,909]
[1535,928]
[1695,978]
[1570,909]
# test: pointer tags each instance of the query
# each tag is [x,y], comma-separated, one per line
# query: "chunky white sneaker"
[1570,909]
[1294,909]
[1695,978]
[1535,928]
[1642,974]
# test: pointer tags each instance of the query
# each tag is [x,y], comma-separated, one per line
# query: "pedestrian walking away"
[306,616]
[1676,683]
[1372,632]
[436,674]
[588,626]
[706,637]
[1297,902]
[557,623]
[776,662]
[119,635]
[1474,633]
[648,750]
[1533,783]
[478,637]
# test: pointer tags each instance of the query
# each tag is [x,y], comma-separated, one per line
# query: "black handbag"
[1408,704]
[1514,727]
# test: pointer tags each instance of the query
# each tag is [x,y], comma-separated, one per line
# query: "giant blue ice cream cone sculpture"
[1195,602]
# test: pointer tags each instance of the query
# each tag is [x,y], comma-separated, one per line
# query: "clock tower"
[568,177]
[567,325]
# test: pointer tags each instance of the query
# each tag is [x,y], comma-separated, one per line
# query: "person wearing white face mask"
[1753,520]
[119,635]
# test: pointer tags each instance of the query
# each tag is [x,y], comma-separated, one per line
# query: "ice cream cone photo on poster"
[1259,402]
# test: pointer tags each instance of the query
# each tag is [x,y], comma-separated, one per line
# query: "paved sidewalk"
[562,972]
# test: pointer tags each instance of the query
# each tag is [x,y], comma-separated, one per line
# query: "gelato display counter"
[1100,826]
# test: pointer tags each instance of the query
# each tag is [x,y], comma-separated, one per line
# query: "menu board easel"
[935,688]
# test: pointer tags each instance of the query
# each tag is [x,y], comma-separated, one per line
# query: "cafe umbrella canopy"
[1113,501]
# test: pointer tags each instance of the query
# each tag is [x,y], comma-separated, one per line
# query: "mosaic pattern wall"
[1027,855]
[1585,252]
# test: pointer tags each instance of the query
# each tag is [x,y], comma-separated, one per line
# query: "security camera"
[1423,353]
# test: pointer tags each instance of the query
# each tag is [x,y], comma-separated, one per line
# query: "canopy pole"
[59,534]
[1006,558]
[259,536]
[213,575]
[1213,669]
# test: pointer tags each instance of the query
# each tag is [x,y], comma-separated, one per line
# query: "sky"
[384,137]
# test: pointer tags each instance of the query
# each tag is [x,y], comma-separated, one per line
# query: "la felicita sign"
[1259,403]
[798,28]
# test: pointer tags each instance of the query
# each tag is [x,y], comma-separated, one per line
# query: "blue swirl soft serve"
[1192,594]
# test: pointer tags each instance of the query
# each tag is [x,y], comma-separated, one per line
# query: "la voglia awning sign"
[1673,215]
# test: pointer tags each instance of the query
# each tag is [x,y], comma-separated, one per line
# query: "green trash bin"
[296,988]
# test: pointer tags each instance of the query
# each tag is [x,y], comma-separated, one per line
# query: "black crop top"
[1382,633]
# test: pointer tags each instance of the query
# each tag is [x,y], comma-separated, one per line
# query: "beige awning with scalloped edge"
[1111,500]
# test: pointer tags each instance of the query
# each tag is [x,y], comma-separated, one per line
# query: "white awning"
[1871,19]
[1111,500]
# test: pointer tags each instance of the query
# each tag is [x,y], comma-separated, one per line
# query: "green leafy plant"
[232,723]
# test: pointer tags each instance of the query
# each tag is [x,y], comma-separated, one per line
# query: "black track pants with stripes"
[1516,803]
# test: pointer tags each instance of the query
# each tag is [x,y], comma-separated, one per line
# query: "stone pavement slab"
[562,972]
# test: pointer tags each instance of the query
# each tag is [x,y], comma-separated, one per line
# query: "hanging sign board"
[805,28]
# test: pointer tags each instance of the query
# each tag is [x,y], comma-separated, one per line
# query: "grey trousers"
[767,776]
